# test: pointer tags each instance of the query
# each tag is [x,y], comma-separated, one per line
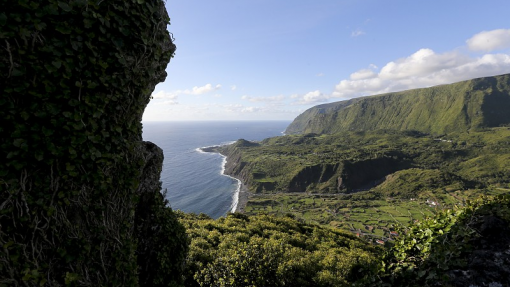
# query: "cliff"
[263,170]
[355,161]
[79,191]
[468,105]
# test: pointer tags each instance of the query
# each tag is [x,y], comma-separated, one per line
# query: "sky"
[273,59]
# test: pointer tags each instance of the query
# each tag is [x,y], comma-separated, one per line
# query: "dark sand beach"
[244,195]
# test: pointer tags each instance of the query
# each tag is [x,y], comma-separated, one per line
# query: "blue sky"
[271,60]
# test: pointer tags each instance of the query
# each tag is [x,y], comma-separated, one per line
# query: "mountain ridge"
[462,106]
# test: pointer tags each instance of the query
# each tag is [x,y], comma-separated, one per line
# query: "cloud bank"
[278,98]
[193,91]
[423,68]
[426,68]
[490,40]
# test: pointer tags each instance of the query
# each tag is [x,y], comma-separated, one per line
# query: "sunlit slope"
[462,106]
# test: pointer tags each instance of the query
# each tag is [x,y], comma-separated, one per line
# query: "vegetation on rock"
[461,247]
[467,105]
[403,179]
[399,163]
[75,77]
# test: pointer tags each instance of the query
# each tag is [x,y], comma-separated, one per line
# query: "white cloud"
[253,112]
[264,99]
[363,74]
[194,91]
[170,102]
[311,98]
[422,63]
[353,88]
[233,107]
[358,32]
[424,68]
[165,95]
[202,90]
[320,74]
[240,109]
[233,87]
[250,110]
[490,40]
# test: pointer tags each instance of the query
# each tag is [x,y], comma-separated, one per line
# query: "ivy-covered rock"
[468,246]
[75,77]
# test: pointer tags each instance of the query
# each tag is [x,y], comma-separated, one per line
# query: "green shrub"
[429,249]
[263,250]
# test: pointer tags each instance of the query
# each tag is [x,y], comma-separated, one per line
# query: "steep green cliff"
[462,106]
[353,161]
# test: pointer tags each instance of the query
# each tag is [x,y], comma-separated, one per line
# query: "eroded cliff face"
[309,177]
[344,177]
[235,166]
[341,177]
[366,174]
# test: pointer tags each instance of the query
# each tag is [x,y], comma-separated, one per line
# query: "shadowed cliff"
[79,191]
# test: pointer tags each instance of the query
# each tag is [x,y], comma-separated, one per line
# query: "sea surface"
[194,180]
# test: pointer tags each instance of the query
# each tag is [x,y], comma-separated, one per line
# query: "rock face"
[161,239]
[343,177]
[472,104]
[75,77]
[489,263]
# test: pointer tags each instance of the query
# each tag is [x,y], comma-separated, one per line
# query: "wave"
[201,149]
[235,197]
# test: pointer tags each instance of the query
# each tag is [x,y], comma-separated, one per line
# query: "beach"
[243,196]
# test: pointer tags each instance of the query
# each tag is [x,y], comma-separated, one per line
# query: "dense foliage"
[440,249]
[75,77]
[263,250]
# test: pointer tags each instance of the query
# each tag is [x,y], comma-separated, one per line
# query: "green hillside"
[355,161]
[462,106]
[399,170]
[369,182]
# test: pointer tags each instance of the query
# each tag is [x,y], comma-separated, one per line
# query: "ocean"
[194,180]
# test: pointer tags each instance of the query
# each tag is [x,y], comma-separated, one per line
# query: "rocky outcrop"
[161,240]
[75,77]
[344,177]
[366,174]
[489,262]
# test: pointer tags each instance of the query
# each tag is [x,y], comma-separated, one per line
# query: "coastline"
[241,195]
[242,198]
